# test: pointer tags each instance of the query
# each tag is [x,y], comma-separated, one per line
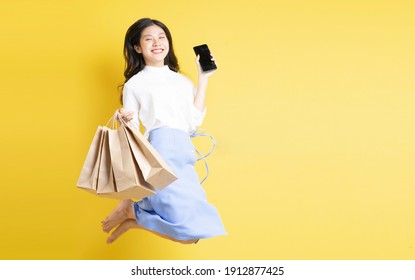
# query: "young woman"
[170,108]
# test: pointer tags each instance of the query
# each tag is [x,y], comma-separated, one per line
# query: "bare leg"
[120,214]
[132,223]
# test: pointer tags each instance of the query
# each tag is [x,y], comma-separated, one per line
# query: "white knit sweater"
[159,97]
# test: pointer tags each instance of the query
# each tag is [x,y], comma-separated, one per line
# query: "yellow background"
[312,108]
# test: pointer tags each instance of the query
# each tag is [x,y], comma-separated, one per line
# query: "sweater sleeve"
[131,104]
[197,115]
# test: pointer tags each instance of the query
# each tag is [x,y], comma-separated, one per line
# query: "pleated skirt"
[181,209]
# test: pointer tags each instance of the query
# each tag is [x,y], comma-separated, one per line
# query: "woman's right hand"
[126,116]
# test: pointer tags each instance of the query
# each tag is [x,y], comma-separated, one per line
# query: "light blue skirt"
[180,210]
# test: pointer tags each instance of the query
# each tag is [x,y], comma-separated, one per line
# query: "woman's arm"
[131,107]
[203,79]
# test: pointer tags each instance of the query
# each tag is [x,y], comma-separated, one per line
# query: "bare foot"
[121,229]
[132,223]
[121,213]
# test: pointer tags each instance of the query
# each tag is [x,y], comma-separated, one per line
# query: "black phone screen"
[205,59]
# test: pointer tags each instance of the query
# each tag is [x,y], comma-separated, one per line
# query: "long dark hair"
[134,62]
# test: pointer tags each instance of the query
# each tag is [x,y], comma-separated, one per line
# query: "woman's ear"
[137,48]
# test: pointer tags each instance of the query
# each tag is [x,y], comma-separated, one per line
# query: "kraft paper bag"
[122,164]
[153,167]
[110,170]
[89,175]
[129,181]
[106,182]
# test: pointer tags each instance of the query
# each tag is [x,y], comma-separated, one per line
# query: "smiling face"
[154,46]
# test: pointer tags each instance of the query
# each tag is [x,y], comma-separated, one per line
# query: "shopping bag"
[153,167]
[122,164]
[109,169]
[127,177]
[89,175]
[105,182]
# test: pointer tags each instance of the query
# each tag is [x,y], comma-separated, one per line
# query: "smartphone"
[205,59]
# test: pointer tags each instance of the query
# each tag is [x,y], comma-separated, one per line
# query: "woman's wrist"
[203,79]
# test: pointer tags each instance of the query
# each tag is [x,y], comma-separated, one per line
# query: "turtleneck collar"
[156,69]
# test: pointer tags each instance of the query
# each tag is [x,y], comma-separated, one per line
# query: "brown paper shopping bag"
[110,170]
[106,182]
[127,176]
[153,167]
[122,164]
[96,175]
[89,175]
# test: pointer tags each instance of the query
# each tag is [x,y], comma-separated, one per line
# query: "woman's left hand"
[205,75]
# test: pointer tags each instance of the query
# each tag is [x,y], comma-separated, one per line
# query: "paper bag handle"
[113,119]
[198,133]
